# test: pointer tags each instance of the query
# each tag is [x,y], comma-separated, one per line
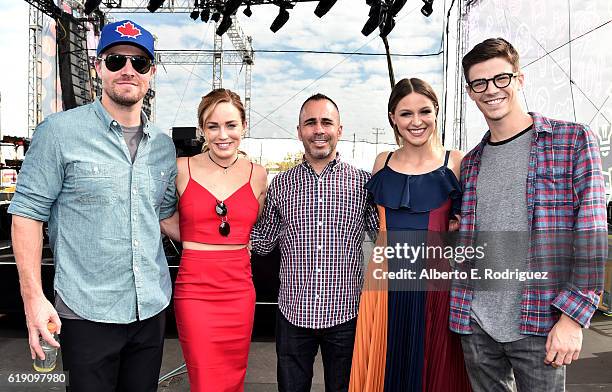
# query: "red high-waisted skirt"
[214,302]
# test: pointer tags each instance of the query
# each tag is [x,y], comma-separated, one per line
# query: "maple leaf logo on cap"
[128,30]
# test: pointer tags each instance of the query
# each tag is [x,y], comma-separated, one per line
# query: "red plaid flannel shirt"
[565,192]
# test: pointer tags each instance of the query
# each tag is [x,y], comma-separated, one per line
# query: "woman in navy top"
[403,342]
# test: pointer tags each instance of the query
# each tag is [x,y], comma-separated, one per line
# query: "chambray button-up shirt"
[103,212]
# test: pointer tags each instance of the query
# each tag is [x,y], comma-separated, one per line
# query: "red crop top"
[200,223]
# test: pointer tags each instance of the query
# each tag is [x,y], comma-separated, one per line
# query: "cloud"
[359,84]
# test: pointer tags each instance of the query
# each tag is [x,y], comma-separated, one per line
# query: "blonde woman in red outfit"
[220,196]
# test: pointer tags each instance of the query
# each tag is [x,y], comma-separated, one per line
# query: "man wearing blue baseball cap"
[102,176]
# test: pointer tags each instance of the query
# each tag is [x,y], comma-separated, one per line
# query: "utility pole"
[35,69]
[354,141]
[260,152]
[377,131]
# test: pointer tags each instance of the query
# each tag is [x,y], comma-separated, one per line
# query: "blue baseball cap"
[126,32]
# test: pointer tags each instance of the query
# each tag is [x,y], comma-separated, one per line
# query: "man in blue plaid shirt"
[317,213]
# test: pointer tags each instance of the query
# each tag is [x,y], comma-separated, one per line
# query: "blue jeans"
[514,366]
[297,347]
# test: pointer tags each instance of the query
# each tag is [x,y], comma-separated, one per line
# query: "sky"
[280,82]
[359,84]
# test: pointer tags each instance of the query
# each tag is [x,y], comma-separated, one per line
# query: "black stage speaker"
[186,141]
[73,61]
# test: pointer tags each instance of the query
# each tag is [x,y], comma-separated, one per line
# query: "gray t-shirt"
[501,218]
[132,136]
[63,310]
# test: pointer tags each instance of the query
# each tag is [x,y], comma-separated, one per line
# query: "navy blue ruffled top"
[416,202]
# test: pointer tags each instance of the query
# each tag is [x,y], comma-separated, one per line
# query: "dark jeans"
[113,357]
[514,366]
[296,349]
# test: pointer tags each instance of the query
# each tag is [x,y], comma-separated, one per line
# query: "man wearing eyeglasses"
[537,179]
[102,176]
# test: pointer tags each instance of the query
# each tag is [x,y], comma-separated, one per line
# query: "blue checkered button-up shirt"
[319,223]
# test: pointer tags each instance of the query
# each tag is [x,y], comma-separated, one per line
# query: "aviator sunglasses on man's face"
[115,62]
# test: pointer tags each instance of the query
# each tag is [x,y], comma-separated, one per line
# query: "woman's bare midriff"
[201,246]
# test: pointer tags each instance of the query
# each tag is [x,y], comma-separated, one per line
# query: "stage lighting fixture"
[231,7]
[280,20]
[205,15]
[427,8]
[195,13]
[387,26]
[373,20]
[215,17]
[397,6]
[247,11]
[323,7]
[154,5]
[90,5]
[225,24]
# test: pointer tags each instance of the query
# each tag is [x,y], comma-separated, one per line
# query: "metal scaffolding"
[459,132]
[35,69]
[217,77]
[242,55]
[244,45]
[196,57]
[180,6]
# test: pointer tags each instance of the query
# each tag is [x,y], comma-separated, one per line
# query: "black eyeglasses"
[500,81]
[115,62]
[221,210]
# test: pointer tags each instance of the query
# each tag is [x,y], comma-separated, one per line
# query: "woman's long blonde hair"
[208,104]
[409,86]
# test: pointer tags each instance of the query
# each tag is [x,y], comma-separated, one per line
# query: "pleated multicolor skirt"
[403,343]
